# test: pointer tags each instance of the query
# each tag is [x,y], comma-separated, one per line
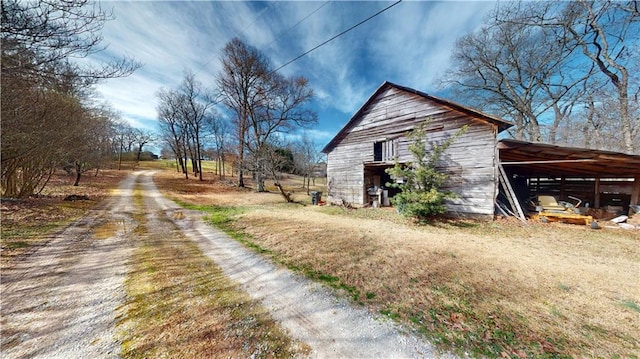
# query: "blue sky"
[409,44]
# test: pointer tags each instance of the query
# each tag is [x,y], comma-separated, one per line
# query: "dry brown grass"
[562,290]
[182,306]
[224,192]
[499,288]
[29,223]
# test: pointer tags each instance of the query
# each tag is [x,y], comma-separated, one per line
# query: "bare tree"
[32,142]
[123,140]
[184,114]
[220,132]
[605,34]
[42,85]
[263,105]
[306,156]
[172,128]
[597,125]
[141,138]
[40,36]
[610,41]
[244,72]
[283,109]
[92,143]
[516,71]
[195,108]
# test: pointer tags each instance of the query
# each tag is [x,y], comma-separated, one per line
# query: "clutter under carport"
[602,185]
[632,221]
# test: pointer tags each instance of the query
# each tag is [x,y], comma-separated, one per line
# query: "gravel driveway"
[62,301]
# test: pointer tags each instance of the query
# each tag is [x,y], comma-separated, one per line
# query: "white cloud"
[409,44]
[417,48]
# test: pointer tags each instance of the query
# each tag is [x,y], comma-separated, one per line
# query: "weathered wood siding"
[345,173]
[470,161]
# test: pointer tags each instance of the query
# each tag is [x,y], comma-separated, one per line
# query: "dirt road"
[63,300]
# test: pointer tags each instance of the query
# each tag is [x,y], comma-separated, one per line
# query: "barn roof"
[546,160]
[502,124]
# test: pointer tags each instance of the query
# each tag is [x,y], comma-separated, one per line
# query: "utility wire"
[338,35]
[256,18]
[296,24]
[240,33]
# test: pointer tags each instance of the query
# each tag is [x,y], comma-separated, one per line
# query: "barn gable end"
[376,136]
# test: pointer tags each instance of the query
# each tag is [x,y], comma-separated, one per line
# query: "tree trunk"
[139,153]
[11,184]
[241,155]
[259,178]
[186,169]
[120,158]
[534,129]
[199,155]
[626,121]
[553,130]
[194,166]
[285,195]
[46,181]
[519,127]
[78,173]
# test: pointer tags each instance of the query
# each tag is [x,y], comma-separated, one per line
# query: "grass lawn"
[500,289]
[179,303]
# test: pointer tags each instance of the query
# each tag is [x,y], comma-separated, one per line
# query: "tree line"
[562,72]
[248,114]
[50,119]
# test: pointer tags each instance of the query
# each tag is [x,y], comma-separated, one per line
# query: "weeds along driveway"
[62,301]
[329,325]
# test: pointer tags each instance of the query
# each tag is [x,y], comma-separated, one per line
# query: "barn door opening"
[376,191]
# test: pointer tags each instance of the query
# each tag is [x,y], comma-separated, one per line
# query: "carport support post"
[635,191]
[596,199]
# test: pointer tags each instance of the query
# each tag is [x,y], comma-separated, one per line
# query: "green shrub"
[421,193]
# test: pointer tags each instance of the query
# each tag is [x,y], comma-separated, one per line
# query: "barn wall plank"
[469,161]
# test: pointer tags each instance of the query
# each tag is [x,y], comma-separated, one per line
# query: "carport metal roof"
[545,160]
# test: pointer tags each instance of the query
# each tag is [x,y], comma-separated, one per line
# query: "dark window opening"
[377,151]
[385,150]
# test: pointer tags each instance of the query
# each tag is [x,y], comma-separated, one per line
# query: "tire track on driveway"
[329,325]
[62,300]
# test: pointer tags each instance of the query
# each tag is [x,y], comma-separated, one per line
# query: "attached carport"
[600,178]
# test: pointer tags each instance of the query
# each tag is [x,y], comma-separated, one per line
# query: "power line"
[338,35]
[256,18]
[297,23]
[240,32]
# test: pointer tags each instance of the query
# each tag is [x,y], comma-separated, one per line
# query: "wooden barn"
[376,136]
